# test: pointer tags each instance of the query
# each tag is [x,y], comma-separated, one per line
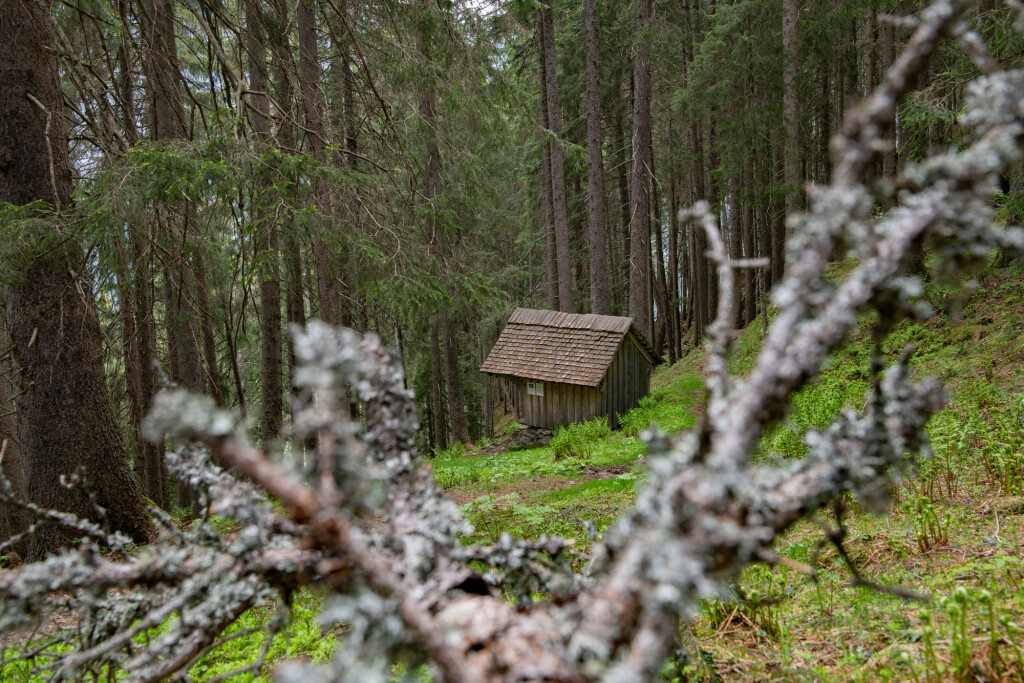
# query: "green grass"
[579,440]
[301,637]
[944,537]
[580,482]
[955,529]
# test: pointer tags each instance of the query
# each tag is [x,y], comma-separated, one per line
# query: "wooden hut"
[559,368]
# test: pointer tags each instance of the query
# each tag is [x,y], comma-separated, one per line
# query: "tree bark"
[778,217]
[435,240]
[271,407]
[295,313]
[749,274]
[145,323]
[673,252]
[622,176]
[551,257]
[698,241]
[167,123]
[13,519]
[68,427]
[154,467]
[453,382]
[271,413]
[735,248]
[714,199]
[436,387]
[558,199]
[640,185]
[600,298]
[790,103]
[213,384]
[888,56]
[327,250]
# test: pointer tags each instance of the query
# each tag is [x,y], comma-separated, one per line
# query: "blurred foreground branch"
[406,591]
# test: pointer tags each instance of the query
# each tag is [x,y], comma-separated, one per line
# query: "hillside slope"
[953,533]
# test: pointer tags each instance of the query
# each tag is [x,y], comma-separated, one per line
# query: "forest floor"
[954,532]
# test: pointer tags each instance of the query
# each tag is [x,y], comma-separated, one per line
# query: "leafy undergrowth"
[301,637]
[585,477]
[954,533]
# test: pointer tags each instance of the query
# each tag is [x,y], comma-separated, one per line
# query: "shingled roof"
[572,348]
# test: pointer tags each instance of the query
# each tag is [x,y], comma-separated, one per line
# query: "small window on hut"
[535,388]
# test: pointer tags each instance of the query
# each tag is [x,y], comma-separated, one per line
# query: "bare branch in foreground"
[407,593]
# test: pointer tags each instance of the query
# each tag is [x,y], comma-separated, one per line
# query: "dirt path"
[528,487]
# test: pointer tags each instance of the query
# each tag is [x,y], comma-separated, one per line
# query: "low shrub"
[577,440]
[456,450]
[639,418]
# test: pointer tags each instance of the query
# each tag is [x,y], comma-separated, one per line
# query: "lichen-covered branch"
[404,586]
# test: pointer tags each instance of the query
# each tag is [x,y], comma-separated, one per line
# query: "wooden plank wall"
[627,381]
[561,404]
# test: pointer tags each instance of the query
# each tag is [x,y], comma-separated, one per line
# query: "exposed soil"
[528,487]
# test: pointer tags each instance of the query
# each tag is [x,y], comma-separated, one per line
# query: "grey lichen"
[403,585]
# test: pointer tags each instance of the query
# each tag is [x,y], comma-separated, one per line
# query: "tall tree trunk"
[436,393]
[315,142]
[790,103]
[167,123]
[271,388]
[888,56]
[640,186]
[698,242]
[600,298]
[622,176]
[436,246]
[154,466]
[714,199]
[328,250]
[551,256]
[68,427]
[346,270]
[698,277]
[271,407]
[869,70]
[825,129]
[145,323]
[851,88]
[287,117]
[212,372]
[778,228]
[453,382]
[673,251]
[130,353]
[558,199]
[735,248]
[749,274]
[13,519]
